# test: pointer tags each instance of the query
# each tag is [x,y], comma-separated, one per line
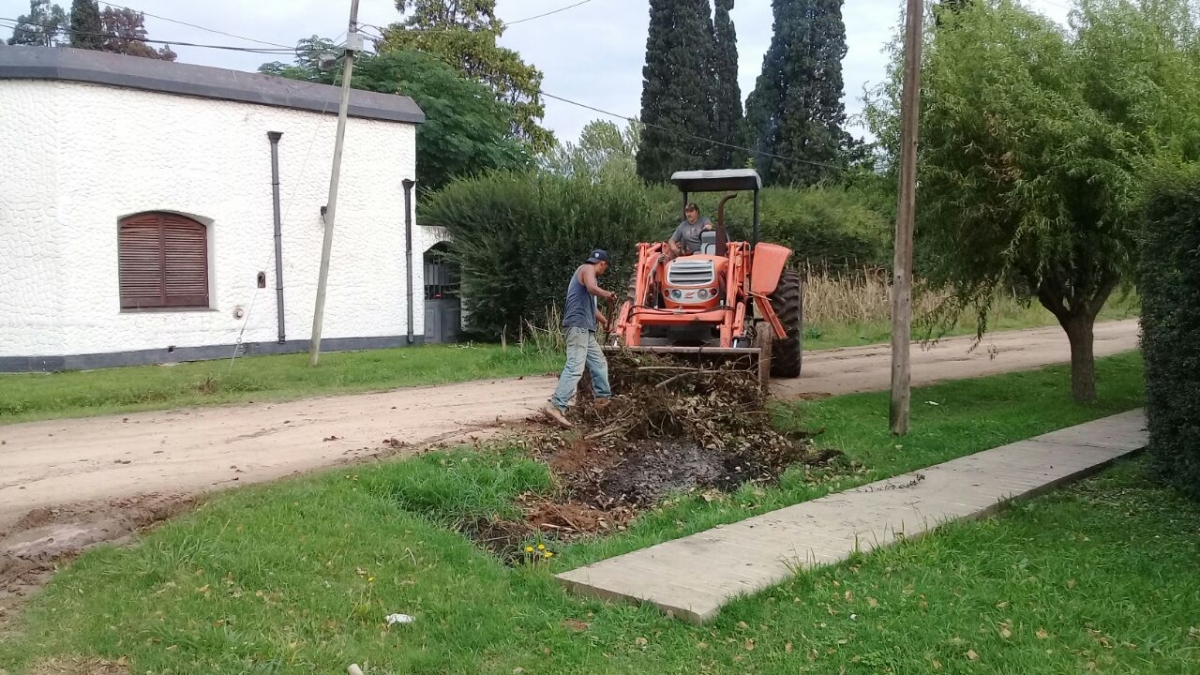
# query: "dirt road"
[171,455]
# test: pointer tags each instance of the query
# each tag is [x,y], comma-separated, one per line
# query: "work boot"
[602,404]
[556,415]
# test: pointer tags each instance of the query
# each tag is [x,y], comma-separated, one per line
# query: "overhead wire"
[545,14]
[379,36]
[677,132]
[192,25]
[18,25]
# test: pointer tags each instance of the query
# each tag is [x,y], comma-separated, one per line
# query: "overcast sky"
[592,53]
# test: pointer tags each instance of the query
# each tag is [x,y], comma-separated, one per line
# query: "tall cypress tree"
[86,27]
[728,95]
[677,89]
[796,109]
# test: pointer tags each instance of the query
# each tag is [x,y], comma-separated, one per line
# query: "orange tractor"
[731,300]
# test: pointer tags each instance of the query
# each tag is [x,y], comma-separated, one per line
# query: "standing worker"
[579,321]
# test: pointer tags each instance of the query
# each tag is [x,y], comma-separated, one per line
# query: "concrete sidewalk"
[695,576]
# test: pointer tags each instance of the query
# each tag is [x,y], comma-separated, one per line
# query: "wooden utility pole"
[353,45]
[910,103]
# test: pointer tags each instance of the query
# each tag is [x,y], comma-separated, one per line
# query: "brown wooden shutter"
[185,252]
[163,262]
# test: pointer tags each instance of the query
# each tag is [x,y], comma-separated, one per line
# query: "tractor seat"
[709,243]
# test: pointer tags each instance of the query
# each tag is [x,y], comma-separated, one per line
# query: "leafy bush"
[519,236]
[831,229]
[1169,285]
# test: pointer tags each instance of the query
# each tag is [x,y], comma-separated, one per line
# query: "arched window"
[163,262]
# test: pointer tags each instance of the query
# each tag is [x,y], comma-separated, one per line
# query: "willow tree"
[1035,140]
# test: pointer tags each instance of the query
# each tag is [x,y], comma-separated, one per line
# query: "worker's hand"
[602,320]
[611,296]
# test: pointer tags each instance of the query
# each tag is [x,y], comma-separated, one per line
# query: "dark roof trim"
[134,72]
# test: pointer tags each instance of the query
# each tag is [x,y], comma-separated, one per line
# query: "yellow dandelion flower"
[370,580]
[541,547]
[529,549]
[549,554]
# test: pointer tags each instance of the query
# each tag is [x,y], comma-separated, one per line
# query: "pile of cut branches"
[672,426]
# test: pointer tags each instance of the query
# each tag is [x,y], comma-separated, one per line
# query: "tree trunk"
[1076,309]
[1079,328]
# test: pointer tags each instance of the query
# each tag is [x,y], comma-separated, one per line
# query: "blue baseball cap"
[598,256]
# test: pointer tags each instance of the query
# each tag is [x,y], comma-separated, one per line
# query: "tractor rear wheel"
[788,303]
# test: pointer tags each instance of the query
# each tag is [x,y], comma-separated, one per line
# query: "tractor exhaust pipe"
[722,233]
[721,209]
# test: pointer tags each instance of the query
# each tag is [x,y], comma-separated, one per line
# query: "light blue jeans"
[582,349]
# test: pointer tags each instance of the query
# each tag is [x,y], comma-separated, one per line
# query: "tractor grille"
[691,273]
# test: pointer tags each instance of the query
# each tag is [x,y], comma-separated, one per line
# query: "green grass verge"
[40,396]
[297,576]
[34,396]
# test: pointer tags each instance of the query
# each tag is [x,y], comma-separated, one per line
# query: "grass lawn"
[34,396]
[297,576]
[38,396]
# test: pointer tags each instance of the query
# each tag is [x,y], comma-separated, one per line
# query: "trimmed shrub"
[831,229]
[519,236]
[1169,286]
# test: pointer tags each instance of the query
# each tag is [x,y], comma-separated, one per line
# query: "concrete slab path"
[695,576]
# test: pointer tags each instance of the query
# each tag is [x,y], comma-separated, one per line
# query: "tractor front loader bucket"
[756,359]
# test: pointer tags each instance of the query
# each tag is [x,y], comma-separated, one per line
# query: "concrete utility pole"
[902,265]
[354,44]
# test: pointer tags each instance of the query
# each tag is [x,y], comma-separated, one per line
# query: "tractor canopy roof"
[724,180]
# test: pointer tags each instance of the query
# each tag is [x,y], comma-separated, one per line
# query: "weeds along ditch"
[673,428]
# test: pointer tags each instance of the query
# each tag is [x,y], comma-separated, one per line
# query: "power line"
[192,25]
[458,29]
[20,26]
[553,11]
[679,132]
[669,130]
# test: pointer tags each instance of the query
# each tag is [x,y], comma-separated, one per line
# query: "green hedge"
[1169,286]
[831,229]
[519,235]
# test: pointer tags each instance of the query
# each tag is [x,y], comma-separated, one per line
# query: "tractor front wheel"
[788,303]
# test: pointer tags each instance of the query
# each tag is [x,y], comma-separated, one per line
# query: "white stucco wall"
[79,157]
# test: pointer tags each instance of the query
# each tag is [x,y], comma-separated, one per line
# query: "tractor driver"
[686,239]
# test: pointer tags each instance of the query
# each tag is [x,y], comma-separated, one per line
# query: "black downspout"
[408,251]
[275,136]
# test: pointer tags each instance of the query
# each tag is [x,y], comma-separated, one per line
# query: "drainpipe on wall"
[408,250]
[275,136]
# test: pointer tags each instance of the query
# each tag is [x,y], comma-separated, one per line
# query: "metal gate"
[443,307]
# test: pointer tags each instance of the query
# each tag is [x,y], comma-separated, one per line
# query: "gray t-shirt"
[689,234]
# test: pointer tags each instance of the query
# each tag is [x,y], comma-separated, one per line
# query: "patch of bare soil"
[44,539]
[674,428]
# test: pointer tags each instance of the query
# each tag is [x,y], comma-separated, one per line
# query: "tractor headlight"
[677,294]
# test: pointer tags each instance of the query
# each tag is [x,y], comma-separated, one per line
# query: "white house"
[139,206]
